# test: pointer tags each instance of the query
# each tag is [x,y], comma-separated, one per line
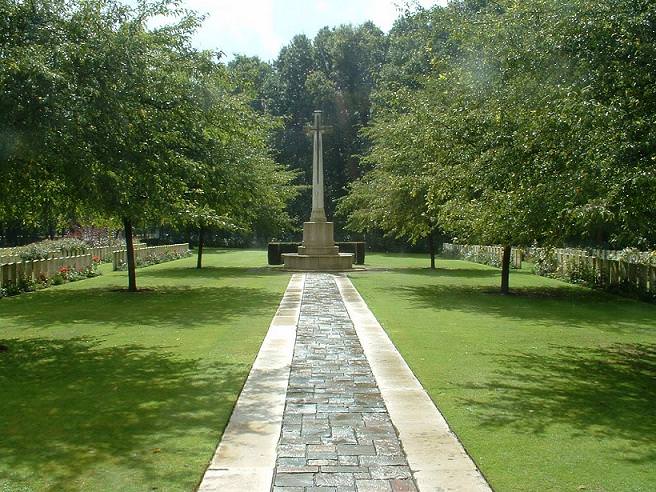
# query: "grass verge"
[552,388]
[105,390]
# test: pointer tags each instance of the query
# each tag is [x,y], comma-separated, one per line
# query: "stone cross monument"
[318,212]
[318,252]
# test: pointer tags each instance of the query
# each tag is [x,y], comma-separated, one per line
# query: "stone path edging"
[435,455]
[246,456]
[336,435]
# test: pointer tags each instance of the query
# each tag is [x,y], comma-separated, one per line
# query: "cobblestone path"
[336,435]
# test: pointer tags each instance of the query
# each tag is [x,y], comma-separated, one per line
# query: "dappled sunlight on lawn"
[70,404]
[211,272]
[604,392]
[552,387]
[103,386]
[174,307]
[565,306]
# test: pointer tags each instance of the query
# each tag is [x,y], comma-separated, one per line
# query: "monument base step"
[313,250]
[318,263]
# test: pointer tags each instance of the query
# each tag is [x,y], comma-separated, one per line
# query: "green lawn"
[105,390]
[550,389]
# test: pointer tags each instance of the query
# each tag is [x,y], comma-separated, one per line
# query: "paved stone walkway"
[337,435]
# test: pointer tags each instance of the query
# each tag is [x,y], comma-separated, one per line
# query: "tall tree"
[131,122]
[531,129]
[252,78]
[334,72]
[392,197]
[236,185]
[33,102]
[133,111]
[559,150]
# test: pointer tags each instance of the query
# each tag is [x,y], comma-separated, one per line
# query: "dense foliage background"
[514,122]
[494,122]
[506,122]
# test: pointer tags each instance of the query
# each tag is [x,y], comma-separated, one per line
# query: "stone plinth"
[318,239]
[318,252]
[319,263]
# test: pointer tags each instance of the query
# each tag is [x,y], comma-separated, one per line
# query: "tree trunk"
[129,246]
[201,243]
[431,249]
[505,270]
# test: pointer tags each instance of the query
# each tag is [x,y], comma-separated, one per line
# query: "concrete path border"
[246,456]
[435,455]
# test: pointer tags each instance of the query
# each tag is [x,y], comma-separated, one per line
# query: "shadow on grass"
[170,306]
[68,406]
[211,251]
[207,272]
[564,305]
[397,256]
[602,392]
[463,273]
[452,272]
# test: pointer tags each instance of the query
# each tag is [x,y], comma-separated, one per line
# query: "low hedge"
[276,250]
[355,247]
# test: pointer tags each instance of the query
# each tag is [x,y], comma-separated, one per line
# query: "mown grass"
[552,388]
[101,389]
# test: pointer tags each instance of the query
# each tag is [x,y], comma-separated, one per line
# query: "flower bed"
[152,255]
[65,274]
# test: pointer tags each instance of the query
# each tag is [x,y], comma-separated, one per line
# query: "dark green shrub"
[276,250]
[71,246]
[34,252]
[25,285]
[357,248]
[581,273]
[545,261]
[57,279]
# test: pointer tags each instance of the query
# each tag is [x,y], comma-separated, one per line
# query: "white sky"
[262,27]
